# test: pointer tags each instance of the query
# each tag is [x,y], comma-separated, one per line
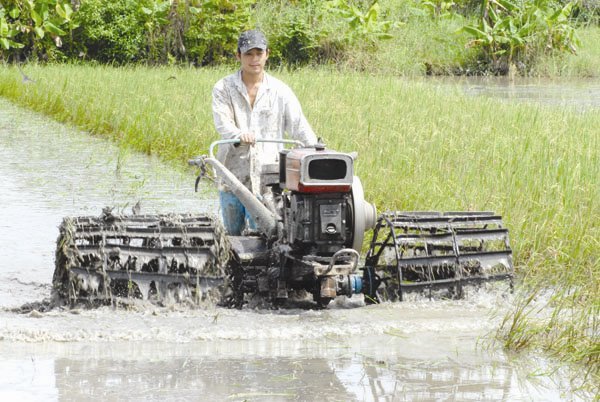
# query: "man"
[249,105]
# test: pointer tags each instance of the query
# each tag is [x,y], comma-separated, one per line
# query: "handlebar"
[237,141]
[199,161]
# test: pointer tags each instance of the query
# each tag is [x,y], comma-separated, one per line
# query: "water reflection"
[28,380]
[260,371]
[411,380]
[272,379]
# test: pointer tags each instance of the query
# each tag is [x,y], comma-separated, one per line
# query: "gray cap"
[251,40]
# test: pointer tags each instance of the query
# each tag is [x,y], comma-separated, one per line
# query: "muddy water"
[418,350]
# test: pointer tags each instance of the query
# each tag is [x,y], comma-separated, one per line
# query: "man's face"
[253,61]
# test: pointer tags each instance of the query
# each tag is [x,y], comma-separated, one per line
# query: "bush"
[214,27]
[587,11]
[161,31]
[295,31]
[34,29]
[516,32]
[201,32]
[110,31]
[321,31]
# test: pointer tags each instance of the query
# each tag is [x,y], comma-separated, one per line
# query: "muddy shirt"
[276,111]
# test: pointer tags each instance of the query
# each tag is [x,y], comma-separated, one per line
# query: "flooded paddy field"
[582,94]
[416,350]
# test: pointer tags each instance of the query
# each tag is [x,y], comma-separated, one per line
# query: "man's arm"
[224,117]
[295,123]
[223,113]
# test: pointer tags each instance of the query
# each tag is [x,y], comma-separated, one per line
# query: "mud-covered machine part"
[102,258]
[432,251]
[311,221]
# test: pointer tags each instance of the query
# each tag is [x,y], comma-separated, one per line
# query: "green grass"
[420,148]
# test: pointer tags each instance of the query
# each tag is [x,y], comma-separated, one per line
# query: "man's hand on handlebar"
[248,138]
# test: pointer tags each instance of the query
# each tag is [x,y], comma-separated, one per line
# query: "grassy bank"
[421,46]
[420,148]
[420,43]
[585,63]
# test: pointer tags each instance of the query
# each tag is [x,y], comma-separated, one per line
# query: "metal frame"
[435,230]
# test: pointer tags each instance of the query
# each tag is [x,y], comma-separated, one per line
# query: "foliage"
[295,43]
[321,31]
[434,8]
[34,28]
[155,16]
[124,31]
[587,11]
[345,33]
[198,31]
[295,31]
[364,25]
[214,26]
[110,31]
[517,31]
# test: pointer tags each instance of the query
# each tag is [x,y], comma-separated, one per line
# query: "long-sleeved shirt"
[276,111]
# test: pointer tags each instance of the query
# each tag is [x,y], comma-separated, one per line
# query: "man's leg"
[249,220]
[233,213]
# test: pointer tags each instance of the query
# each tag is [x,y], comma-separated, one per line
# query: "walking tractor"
[311,220]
